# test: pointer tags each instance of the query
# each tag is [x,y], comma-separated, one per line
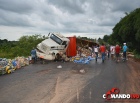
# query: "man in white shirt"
[112,50]
[96,50]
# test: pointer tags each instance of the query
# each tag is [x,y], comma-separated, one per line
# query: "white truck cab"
[55,43]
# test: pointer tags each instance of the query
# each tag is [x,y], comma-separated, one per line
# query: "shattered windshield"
[56,39]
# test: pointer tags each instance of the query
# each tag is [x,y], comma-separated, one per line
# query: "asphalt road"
[45,83]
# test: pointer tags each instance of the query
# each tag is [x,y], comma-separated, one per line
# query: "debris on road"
[82,71]
[8,66]
[78,71]
[59,66]
[84,60]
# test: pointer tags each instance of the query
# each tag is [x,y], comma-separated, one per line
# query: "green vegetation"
[11,49]
[127,30]
[137,56]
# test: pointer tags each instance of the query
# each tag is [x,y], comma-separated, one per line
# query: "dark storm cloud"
[102,11]
[71,6]
[106,6]
[13,19]
[15,12]
[18,6]
[124,5]
[91,16]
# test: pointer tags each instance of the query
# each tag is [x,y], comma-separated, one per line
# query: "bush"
[137,56]
[22,47]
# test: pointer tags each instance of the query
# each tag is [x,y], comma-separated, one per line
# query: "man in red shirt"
[117,51]
[103,50]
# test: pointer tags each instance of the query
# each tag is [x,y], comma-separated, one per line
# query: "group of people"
[101,49]
[114,51]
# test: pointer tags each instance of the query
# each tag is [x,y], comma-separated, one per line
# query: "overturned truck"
[53,45]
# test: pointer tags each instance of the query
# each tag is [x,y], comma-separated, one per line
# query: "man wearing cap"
[124,51]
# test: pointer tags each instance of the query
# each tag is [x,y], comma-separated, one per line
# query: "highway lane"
[45,83]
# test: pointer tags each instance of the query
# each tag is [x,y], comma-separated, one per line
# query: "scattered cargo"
[84,60]
[8,66]
[55,47]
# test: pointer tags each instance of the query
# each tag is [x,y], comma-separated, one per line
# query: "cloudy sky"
[91,18]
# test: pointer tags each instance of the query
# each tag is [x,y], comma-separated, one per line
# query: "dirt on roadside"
[130,79]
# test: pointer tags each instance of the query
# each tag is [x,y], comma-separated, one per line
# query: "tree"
[127,30]
[27,43]
[100,40]
[106,38]
[10,49]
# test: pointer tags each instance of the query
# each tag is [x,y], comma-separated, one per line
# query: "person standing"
[96,49]
[108,51]
[33,55]
[124,51]
[103,50]
[112,50]
[117,52]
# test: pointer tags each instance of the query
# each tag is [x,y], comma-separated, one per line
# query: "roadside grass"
[6,55]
